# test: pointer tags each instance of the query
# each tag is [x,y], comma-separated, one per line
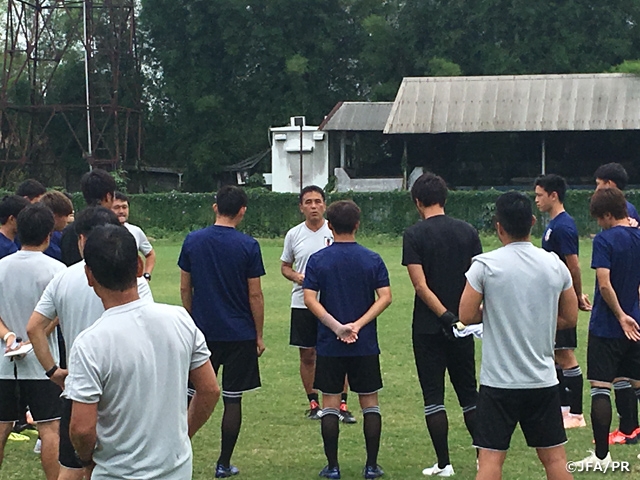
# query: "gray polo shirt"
[521,285]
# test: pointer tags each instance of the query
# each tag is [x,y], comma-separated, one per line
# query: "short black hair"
[514,213]
[121,196]
[112,256]
[58,202]
[608,200]
[230,199]
[31,189]
[95,185]
[343,216]
[312,188]
[430,189]
[552,183]
[11,206]
[92,217]
[614,172]
[35,224]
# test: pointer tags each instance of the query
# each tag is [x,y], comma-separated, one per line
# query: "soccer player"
[70,298]
[614,332]
[561,238]
[527,294]
[347,277]
[137,353]
[31,189]
[10,207]
[22,381]
[120,207]
[437,252]
[62,209]
[300,243]
[220,287]
[98,188]
[614,175]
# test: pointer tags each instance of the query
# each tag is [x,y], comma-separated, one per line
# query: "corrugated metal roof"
[357,116]
[516,103]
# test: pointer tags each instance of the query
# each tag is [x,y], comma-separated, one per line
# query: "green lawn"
[277,442]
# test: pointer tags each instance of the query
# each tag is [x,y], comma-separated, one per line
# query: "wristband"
[49,373]
[7,335]
[147,276]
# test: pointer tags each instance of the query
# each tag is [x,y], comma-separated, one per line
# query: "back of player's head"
[96,185]
[311,188]
[92,217]
[429,189]
[11,206]
[343,216]
[112,256]
[613,172]
[30,189]
[58,203]
[514,213]
[121,196]
[552,183]
[230,199]
[608,200]
[35,224]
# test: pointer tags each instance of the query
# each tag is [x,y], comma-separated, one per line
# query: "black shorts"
[363,373]
[610,358]
[536,409]
[240,359]
[567,339]
[42,397]
[434,354]
[304,328]
[67,454]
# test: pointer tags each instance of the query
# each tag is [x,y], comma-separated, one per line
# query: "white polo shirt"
[142,242]
[138,354]
[23,277]
[70,298]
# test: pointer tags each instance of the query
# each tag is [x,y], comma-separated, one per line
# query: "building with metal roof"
[357,116]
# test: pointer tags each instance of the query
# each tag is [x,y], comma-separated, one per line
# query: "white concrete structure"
[285,156]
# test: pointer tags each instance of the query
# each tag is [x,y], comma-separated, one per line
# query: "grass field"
[277,442]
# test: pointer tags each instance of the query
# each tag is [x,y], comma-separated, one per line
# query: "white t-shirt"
[134,362]
[299,244]
[23,277]
[142,242]
[521,285]
[70,298]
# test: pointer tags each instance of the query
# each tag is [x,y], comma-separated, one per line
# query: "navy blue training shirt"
[632,212]
[561,236]
[347,276]
[7,247]
[220,261]
[617,249]
[53,250]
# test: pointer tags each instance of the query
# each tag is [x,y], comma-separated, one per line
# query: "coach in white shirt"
[137,353]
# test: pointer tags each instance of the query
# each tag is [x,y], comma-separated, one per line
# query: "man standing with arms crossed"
[220,287]
[561,238]
[300,243]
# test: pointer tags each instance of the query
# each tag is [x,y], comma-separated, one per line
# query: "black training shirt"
[444,247]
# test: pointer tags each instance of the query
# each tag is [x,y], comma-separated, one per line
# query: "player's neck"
[431,211]
[224,221]
[556,210]
[315,224]
[7,232]
[112,298]
[623,222]
[344,237]
[37,248]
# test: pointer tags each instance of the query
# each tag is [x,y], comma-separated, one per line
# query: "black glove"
[447,321]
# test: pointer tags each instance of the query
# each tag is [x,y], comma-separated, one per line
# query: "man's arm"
[343,332]
[82,429]
[186,290]
[379,306]
[290,274]
[206,397]
[150,262]
[37,331]
[4,332]
[628,323]
[256,302]
[573,264]
[470,310]
[567,309]
[416,274]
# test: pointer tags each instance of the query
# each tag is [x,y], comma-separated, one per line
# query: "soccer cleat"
[330,472]
[574,420]
[436,471]
[314,412]
[618,438]
[372,472]
[589,463]
[345,415]
[224,472]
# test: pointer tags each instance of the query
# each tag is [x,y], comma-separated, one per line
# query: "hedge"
[271,214]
